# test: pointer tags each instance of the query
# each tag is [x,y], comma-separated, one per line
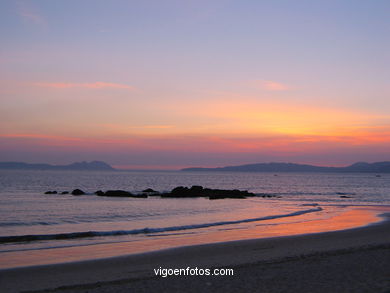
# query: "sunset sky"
[171,84]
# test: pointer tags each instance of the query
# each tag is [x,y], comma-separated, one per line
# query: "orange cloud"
[223,125]
[94,85]
[138,127]
[255,117]
[269,144]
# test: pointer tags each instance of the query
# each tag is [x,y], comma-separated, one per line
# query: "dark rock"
[78,192]
[223,193]
[65,192]
[99,193]
[118,193]
[199,191]
[180,191]
[149,190]
[51,192]
[345,196]
[212,197]
[122,193]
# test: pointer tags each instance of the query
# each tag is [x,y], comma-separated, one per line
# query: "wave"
[88,234]
[6,224]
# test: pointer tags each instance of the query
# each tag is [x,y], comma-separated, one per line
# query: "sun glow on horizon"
[163,85]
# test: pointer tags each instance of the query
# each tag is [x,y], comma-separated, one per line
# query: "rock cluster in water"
[119,193]
[199,191]
[78,192]
[51,192]
[177,192]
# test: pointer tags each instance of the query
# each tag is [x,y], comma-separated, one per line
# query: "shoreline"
[341,218]
[123,271]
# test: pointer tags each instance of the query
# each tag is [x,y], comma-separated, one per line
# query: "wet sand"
[353,260]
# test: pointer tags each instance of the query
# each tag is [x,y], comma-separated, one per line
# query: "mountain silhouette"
[81,166]
[378,167]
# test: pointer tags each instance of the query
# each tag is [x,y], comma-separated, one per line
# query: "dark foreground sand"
[355,260]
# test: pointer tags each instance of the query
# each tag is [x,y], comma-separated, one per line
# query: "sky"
[166,84]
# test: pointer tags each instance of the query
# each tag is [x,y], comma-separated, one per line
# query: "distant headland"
[360,167]
[79,166]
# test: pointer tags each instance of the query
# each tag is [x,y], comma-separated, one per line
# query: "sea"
[31,220]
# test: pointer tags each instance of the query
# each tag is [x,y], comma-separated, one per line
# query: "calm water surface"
[49,221]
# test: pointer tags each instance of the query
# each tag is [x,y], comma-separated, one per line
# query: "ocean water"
[32,220]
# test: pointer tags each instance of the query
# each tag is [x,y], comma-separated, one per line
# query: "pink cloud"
[94,85]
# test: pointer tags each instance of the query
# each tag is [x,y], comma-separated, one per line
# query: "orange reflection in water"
[304,224]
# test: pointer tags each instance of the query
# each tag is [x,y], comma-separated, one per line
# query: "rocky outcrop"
[149,190]
[119,193]
[177,192]
[199,191]
[78,192]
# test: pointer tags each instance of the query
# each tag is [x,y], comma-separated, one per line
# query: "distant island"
[79,166]
[360,167]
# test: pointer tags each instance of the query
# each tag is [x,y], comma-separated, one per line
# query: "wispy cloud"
[30,14]
[126,129]
[270,144]
[120,126]
[94,85]
[269,85]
